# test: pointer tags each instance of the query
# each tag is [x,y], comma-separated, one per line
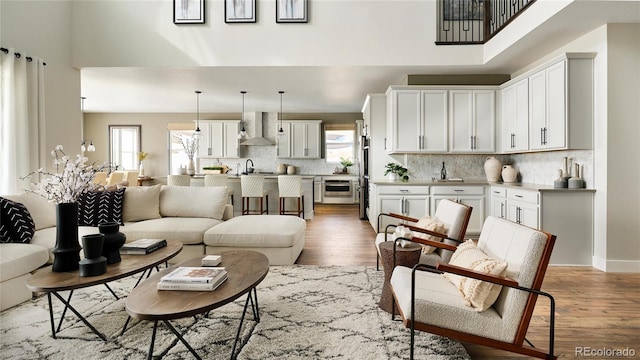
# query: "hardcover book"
[191,286]
[142,246]
[186,274]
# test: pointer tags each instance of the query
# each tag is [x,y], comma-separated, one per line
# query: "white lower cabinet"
[468,195]
[409,200]
[564,213]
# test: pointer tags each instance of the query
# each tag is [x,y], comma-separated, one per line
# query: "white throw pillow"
[426,222]
[478,294]
[193,201]
[141,203]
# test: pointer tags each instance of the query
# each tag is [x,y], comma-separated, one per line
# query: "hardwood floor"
[594,309]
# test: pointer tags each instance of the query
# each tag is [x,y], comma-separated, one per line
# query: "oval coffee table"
[245,270]
[45,280]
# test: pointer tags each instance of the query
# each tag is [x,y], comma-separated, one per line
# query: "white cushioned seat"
[17,261]
[185,230]
[280,238]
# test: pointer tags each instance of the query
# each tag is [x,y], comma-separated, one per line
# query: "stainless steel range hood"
[258,140]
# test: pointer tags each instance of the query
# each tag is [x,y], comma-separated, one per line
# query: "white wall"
[345,32]
[29,27]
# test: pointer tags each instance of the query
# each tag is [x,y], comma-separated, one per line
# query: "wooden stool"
[290,186]
[253,187]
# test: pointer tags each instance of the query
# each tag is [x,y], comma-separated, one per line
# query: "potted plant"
[395,171]
[345,162]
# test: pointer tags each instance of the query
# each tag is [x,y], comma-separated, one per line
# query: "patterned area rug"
[307,312]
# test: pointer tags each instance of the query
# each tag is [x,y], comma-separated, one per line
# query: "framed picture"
[188,11]
[463,9]
[239,11]
[291,11]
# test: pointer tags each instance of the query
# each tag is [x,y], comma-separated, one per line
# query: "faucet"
[246,166]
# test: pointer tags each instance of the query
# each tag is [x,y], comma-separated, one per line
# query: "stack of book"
[142,246]
[193,279]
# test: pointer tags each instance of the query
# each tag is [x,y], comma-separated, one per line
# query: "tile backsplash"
[537,168]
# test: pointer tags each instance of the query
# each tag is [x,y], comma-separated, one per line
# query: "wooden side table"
[405,256]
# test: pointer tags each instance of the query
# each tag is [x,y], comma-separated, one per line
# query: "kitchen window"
[339,143]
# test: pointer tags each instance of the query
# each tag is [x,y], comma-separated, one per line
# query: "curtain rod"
[18,55]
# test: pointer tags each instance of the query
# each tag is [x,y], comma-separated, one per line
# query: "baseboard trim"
[623,266]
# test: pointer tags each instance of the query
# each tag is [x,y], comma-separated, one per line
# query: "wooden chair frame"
[460,239]
[517,346]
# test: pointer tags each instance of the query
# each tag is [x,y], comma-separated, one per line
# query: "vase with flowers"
[190,145]
[73,177]
[394,171]
[141,156]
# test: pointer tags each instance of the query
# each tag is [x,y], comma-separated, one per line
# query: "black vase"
[93,263]
[67,250]
[113,241]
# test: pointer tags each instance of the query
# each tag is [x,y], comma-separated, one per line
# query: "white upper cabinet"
[472,121]
[515,117]
[219,139]
[561,104]
[302,139]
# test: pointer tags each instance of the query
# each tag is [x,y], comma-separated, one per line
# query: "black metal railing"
[475,21]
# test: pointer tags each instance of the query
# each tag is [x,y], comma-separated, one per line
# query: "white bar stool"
[290,186]
[218,180]
[253,187]
[179,180]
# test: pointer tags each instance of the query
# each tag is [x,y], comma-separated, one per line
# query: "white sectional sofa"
[175,213]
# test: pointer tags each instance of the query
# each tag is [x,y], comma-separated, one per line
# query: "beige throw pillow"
[141,203]
[478,294]
[193,201]
[426,222]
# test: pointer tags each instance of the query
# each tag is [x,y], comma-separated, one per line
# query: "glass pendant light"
[281,130]
[197,132]
[243,133]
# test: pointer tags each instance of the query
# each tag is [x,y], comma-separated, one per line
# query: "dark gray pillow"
[16,223]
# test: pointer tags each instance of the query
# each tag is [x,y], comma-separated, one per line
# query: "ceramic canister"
[509,174]
[493,169]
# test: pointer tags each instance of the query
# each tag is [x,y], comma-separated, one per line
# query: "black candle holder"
[93,263]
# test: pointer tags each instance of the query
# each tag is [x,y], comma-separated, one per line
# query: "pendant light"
[197,132]
[243,133]
[281,130]
[83,146]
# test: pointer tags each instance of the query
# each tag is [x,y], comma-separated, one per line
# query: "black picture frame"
[292,11]
[188,11]
[240,11]
[463,10]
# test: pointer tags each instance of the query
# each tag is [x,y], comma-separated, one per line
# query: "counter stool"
[218,180]
[290,186]
[179,180]
[252,186]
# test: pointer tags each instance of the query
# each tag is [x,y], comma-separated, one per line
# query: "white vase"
[509,174]
[191,167]
[392,176]
[493,169]
[141,170]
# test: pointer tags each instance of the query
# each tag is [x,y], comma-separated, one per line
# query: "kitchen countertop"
[477,182]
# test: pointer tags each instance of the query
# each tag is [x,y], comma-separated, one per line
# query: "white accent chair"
[115,177]
[218,180]
[428,301]
[179,180]
[100,178]
[131,177]
[453,215]
[290,186]
[252,186]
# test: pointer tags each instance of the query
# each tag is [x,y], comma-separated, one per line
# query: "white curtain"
[21,119]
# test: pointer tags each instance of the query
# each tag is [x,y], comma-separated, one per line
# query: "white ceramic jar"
[509,174]
[493,169]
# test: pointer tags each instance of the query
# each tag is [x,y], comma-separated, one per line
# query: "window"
[339,144]
[177,156]
[124,145]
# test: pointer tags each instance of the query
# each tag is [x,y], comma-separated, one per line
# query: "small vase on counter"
[509,174]
[576,181]
[493,169]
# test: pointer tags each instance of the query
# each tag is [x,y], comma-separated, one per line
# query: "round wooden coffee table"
[405,256]
[245,270]
[45,280]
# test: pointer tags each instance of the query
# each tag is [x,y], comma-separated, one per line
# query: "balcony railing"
[475,21]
